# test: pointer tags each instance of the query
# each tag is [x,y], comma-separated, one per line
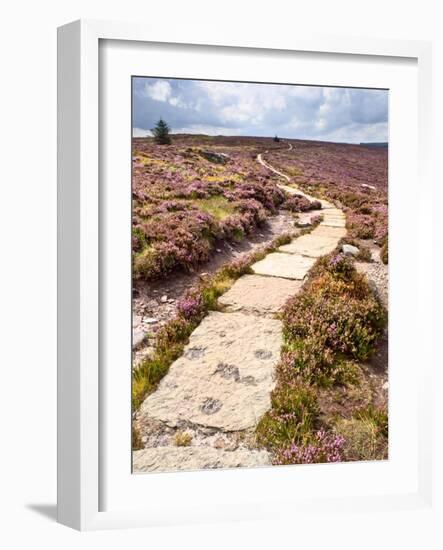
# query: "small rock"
[150,320]
[385,385]
[164,299]
[218,249]
[137,338]
[302,223]
[171,300]
[350,250]
[222,443]
[136,320]
[212,156]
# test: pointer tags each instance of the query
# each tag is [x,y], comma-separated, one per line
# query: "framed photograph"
[241,280]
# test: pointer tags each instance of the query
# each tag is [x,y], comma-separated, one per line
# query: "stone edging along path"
[221,385]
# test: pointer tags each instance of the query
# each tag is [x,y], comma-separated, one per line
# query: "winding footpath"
[220,387]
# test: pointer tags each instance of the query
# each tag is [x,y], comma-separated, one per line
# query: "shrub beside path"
[217,391]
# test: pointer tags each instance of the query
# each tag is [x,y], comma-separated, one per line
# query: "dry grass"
[182,439]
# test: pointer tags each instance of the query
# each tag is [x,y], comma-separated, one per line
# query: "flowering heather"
[189,306]
[322,448]
[299,203]
[354,176]
[183,203]
[328,327]
[292,417]
[335,313]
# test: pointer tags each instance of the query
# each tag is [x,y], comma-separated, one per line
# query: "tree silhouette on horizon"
[161,133]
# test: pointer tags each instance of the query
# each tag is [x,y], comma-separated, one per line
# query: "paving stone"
[334,212]
[291,190]
[310,245]
[254,293]
[197,388]
[334,218]
[328,231]
[288,266]
[163,459]
[334,223]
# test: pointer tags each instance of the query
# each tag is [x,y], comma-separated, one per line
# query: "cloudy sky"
[231,108]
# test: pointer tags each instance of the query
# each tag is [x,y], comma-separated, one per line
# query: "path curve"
[271,168]
[220,387]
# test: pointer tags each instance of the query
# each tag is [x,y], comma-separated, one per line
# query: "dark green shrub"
[161,133]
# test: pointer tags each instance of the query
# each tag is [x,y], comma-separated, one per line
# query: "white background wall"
[28,263]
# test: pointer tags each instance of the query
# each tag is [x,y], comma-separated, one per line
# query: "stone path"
[216,392]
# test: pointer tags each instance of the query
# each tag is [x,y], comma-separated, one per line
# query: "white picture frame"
[80,410]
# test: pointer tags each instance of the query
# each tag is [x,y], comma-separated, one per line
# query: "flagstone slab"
[334,212]
[334,218]
[327,216]
[224,377]
[328,231]
[257,294]
[334,223]
[310,245]
[288,266]
[164,459]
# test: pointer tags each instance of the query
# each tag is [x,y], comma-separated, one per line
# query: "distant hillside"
[375,144]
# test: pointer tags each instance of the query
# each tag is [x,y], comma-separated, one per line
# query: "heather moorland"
[260,302]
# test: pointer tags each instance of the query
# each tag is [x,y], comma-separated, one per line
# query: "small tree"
[161,133]
[276,138]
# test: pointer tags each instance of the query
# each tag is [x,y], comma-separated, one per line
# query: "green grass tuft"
[217,206]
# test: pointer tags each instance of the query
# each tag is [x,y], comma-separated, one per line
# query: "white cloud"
[243,102]
[139,132]
[160,90]
[357,133]
[208,130]
[233,108]
[306,93]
